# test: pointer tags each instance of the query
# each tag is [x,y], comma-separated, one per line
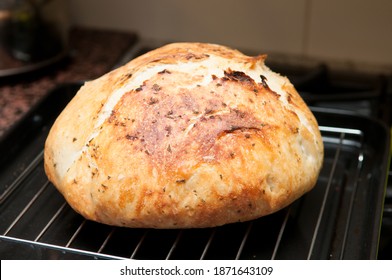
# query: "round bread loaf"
[187,135]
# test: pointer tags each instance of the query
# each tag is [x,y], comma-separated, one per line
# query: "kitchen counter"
[92,53]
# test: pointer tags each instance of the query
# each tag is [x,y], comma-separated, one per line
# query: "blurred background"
[350,31]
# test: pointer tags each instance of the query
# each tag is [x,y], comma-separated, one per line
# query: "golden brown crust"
[188,135]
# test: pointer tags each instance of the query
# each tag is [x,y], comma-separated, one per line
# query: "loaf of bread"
[187,135]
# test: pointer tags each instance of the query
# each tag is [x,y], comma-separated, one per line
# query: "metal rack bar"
[31,202]
[279,239]
[50,222]
[351,206]
[175,243]
[244,239]
[75,234]
[341,130]
[105,242]
[139,244]
[203,255]
[22,176]
[322,209]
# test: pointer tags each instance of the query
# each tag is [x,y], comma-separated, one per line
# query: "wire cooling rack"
[338,219]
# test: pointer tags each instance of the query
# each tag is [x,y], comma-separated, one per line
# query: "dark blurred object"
[33,34]
[88,58]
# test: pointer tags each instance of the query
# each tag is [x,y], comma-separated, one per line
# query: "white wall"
[344,30]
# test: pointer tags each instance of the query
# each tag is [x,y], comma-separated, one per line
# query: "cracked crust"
[188,135]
